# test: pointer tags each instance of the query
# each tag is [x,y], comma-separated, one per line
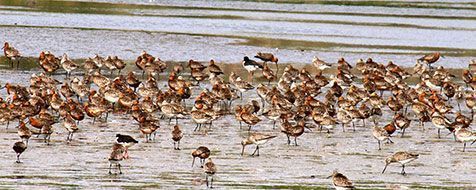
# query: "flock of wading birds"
[294,101]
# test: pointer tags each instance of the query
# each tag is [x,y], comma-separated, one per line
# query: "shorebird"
[210,170]
[439,121]
[268,74]
[430,58]
[48,62]
[46,130]
[214,69]
[340,181]
[148,128]
[202,153]
[68,65]
[257,139]
[464,135]
[132,80]
[177,136]
[293,131]
[401,157]
[119,63]
[11,53]
[380,134]
[19,147]
[401,122]
[320,64]
[70,126]
[268,57]
[117,155]
[127,141]
[24,132]
[251,66]
[249,118]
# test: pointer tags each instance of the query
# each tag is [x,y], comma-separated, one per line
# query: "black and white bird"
[251,66]
[126,141]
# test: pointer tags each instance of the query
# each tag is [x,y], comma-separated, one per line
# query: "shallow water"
[228,30]
[83,162]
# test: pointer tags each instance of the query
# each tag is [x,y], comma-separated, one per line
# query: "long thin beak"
[473,142]
[328,177]
[385,168]
[243,150]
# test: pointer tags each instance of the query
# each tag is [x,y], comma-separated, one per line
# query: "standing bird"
[430,58]
[380,134]
[70,126]
[340,181]
[214,69]
[268,74]
[127,141]
[176,136]
[268,57]
[320,64]
[251,66]
[201,152]
[24,132]
[19,147]
[210,170]
[11,53]
[402,158]
[464,135]
[117,155]
[257,139]
[68,65]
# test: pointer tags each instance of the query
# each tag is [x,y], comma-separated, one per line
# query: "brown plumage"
[24,132]
[214,69]
[340,181]
[268,57]
[202,153]
[430,58]
[116,156]
[401,157]
[177,136]
[210,169]
[11,54]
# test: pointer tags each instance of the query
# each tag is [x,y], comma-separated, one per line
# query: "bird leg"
[18,158]
[119,166]
[403,132]
[403,170]
[211,182]
[379,145]
[257,147]
[464,146]
[110,166]
[295,141]
[193,162]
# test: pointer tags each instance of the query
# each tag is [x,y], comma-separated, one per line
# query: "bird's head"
[5,45]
